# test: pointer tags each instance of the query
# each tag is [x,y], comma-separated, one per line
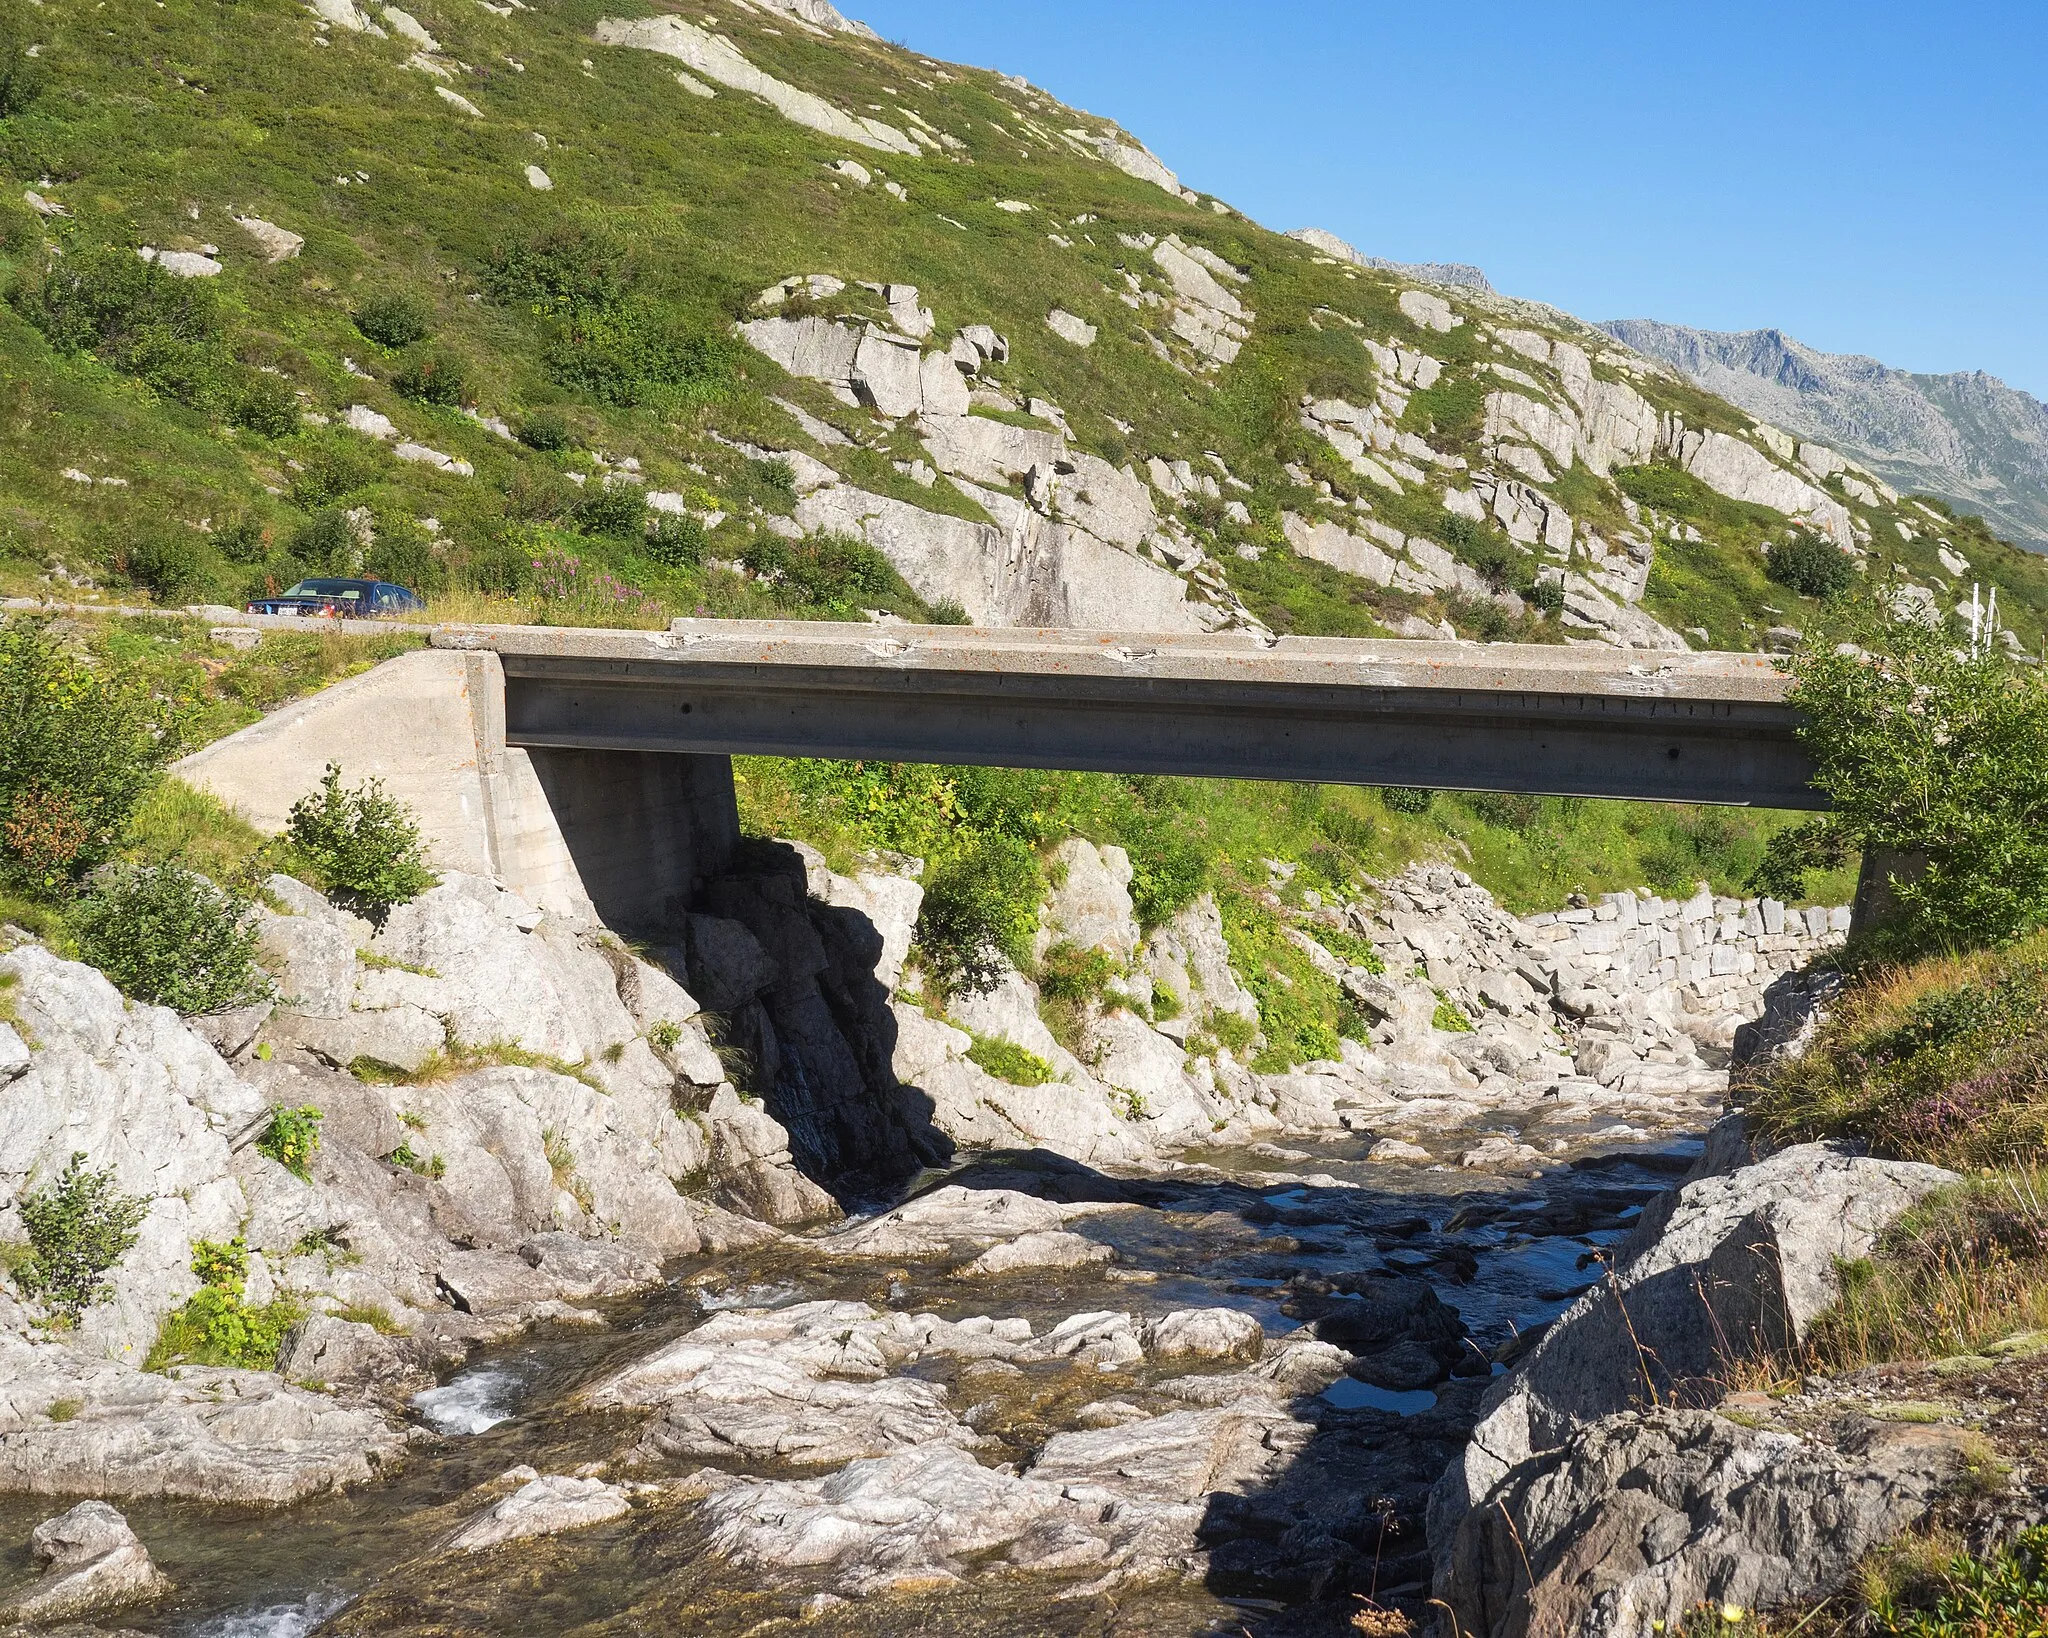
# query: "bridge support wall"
[628,835]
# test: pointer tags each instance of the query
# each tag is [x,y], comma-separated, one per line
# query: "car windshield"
[347,590]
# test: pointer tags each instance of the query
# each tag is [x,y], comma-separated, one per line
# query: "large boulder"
[1641,1517]
[1720,1270]
[91,1562]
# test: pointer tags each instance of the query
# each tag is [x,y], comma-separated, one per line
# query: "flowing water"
[1268,1236]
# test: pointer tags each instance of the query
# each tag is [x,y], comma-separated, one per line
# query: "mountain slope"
[1967,437]
[602,313]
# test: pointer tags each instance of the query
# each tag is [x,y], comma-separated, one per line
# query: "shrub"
[166,562]
[615,506]
[677,542]
[947,612]
[1169,866]
[21,78]
[79,745]
[78,1228]
[980,914]
[292,1139]
[1931,752]
[394,319]
[434,376]
[2000,1595]
[1809,565]
[169,936]
[1406,799]
[243,540]
[1070,973]
[565,268]
[328,466]
[1494,557]
[403,553]
[1302,1012]
[110,300]
[364,845]
[217,1326]
[269,406]
[636,355]
[1546,596]
[832,573]
[544,430]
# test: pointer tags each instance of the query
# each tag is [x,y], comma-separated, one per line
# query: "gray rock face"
[1967,437]
[215,1435]
[91,1562]
[1460,275]
[1721,1268]
[1640,1517]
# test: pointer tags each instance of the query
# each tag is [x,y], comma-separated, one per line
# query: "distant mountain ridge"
[1968,437]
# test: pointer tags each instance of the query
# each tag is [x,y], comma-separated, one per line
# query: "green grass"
[1009,1062]
[686,208]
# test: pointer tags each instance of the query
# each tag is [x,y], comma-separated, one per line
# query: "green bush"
[21,77]
[79,745]
[565,268]
[403,553]
[433,375]
[364,845]
[634,355]
[331,465]
[1406,799]
[292,1139]
[1546,596]
[980,913]
[833,573]
[1810,566]
[1450,1017]
[169,936]
[242,540]
[613,506]
[677,542]
[545,430]
[394,319]
[1009,1062]
[217,1326]
[109,300]
[1932,753]
[167,561]
[1069,973]
[78,1228]
[269,406]
[1302,1012]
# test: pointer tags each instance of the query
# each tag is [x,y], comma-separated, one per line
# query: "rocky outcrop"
[1640,1519]
[542,1506]
[91,1562]
[1722,1270]
[719,61]
[1460,275]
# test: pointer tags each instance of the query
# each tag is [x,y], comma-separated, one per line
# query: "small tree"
[1809,565]
[1929,751]
[78,1228]
[980,911]
[79,745]
[169,936]
[364,845]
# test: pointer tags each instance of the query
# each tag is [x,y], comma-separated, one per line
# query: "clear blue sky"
[1868,178]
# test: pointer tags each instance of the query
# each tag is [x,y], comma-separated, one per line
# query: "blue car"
[342,600]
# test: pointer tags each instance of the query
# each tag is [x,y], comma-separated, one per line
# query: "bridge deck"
[1578,721]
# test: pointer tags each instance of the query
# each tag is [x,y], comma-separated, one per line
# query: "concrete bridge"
[596,765]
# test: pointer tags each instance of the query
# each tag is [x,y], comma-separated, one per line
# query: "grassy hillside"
[438,286]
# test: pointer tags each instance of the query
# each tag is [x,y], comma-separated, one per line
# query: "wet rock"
[954,1221]
[91,1562]
[492,1282]
[1639,1518]
[1387,1311]
[1208,1333]
[1053,1249]
[579,1269]
[1105,1340]
[543,1507]
[340,1353]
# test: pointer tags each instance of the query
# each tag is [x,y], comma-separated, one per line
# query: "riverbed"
[1284,1235]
